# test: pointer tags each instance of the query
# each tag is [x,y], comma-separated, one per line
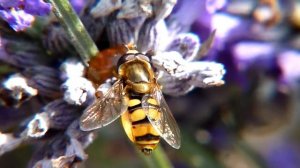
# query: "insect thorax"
[136,71]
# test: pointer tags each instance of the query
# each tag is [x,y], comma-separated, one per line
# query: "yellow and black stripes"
[137,125]
[146,137]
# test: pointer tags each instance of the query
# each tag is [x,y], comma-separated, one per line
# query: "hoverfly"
[137,98]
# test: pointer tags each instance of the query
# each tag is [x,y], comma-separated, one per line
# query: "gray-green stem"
[79,37]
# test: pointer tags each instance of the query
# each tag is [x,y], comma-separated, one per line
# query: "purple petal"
[37,7]
[246,53]
[10,3]
[224,23]
[213,5]
[186,44]
[78,5]
[289,64]
[186,12]
[18,20]
[3,53]
[285,154]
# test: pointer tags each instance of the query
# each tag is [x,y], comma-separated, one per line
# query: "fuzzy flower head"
[20,13]
[50,78]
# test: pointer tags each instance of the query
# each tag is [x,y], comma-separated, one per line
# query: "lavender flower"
[20,14]
[44,90]
[49,77]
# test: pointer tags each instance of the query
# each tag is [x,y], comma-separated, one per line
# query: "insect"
[137,98]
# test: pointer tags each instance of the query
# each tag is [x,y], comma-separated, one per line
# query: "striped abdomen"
[137,126]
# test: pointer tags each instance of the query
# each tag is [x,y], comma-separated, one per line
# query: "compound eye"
[143,57]
[125,58]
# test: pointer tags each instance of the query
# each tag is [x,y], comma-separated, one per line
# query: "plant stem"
[160,157]
[79,37]
[147,160]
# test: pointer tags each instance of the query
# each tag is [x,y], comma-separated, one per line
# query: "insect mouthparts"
[146,151]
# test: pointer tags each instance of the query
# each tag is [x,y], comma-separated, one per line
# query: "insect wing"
[164,123]
[104,110]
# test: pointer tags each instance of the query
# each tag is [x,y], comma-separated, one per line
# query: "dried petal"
[199,74]
[104,8]
[62,161]
[55,39]
[38,126]
[61,152]
[135,8]
[16,91]
[11,117]
[45,80]
[168,62]
[163,8]
[173,86]
[95,27]
[22,53]
[75,148]
[120,32]
[71,68]
[19,82]
[78,90]
[84,137]
[186,44]
[205,74]
[174,27]
[61,114]
[152,36]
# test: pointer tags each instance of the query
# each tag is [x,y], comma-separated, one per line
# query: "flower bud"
[38,126]
[78,91]
[120,32]
[61,114]
[45,80]
[15,91]
[186,44]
